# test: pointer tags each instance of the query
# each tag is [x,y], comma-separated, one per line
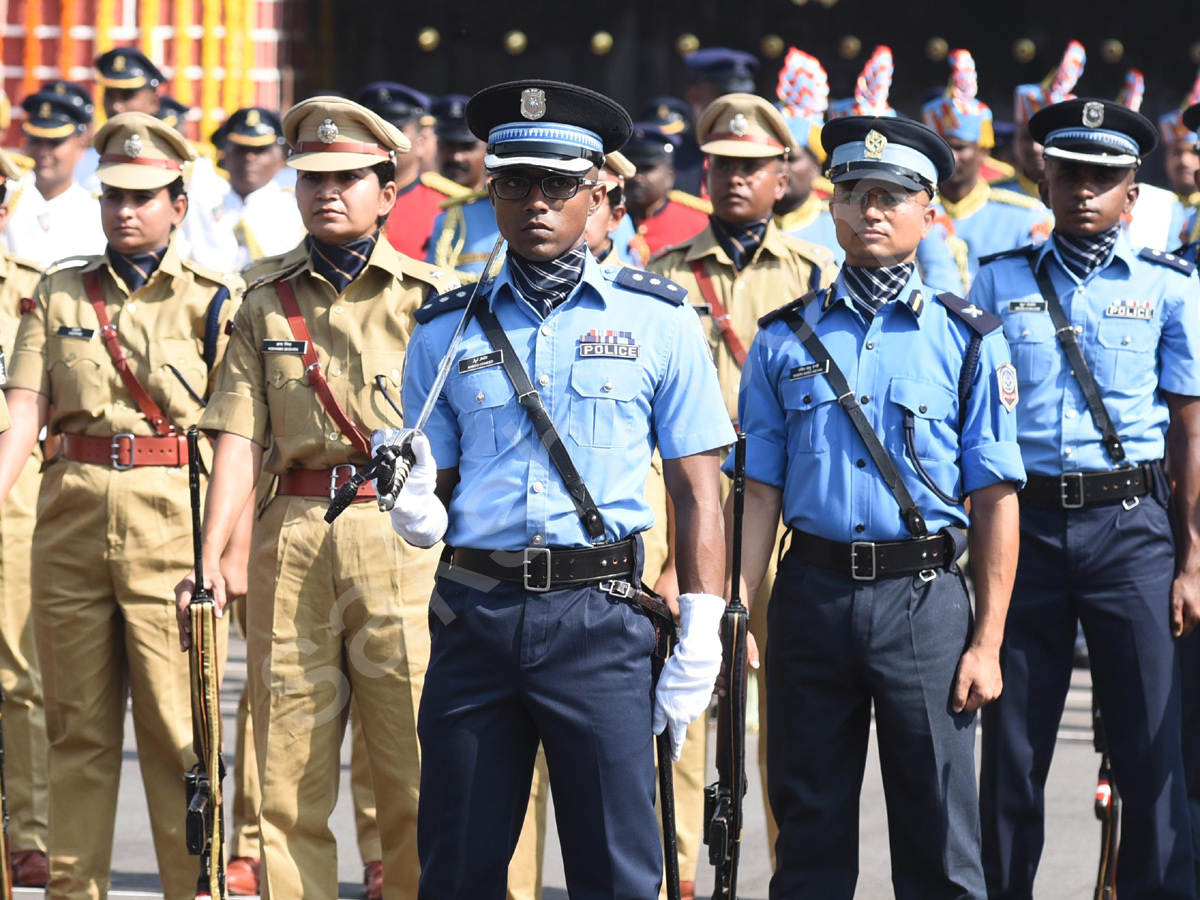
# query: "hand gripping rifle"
[205,809]
[723,800]
[400,458]
[1108,811]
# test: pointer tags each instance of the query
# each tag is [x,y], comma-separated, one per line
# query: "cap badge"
[1093,114]
[60,89]
[118,63]
[874,144]
[533,103]
[44,112]
[134,146]
[663,111]
[327,132]
[738,125]
[253,118]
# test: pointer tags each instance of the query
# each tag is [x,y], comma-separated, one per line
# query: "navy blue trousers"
[838,645]
[570,668]
[1111,569]
[1189,670]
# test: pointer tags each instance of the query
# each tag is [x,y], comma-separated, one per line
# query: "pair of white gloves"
[686,682]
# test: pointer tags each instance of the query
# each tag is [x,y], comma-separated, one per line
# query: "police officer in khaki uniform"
[314,363]
[24,715]
[113,532]
[737,270]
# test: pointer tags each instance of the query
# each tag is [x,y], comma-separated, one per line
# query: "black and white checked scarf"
[135,269]
[870,289]
[1083,253]
[547,284]
[740,242]
[340,264]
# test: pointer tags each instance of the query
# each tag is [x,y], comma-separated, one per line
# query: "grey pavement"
[1067,870]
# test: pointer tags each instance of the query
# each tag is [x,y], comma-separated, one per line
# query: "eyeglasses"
[886,200]
[554,187]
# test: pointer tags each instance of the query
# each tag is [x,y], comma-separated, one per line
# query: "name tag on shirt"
[1131,309]
[1015,306]
[74,331]
[272,346]
[810,371]
[483,361]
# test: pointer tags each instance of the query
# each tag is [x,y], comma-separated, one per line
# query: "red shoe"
[30,868]
[241,876]
[373,880]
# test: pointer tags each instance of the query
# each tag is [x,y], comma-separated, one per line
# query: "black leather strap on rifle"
[909,510]
[531,400]
[1070,344]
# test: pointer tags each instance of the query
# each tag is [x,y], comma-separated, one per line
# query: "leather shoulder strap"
[720,316]
[112,343]
[1087,382]
[312,368]
[909,511]
[529,398]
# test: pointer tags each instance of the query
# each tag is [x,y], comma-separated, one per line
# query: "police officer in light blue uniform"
[533,637]
[1106,344]
[880,380]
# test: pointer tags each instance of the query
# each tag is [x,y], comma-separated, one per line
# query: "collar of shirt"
[914,295]
[170,264]
[740,241]
[545,285]
[1122,250]
[706,244]
[135,269]
[340,264]
[593,277]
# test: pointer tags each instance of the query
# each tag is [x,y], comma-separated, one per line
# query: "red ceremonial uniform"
[674,223]
[411,220]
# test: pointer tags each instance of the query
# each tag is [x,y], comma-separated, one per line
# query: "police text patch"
[1016,306]
[75,331]
[1131,309]
[612,344]
[483,361]
[277,346]
[810,370]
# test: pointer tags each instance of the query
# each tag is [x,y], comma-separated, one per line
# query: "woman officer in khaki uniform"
[114,529]
[314,364]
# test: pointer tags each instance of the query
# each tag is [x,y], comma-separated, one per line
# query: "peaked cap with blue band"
[450,118]
[397,103]
[887,149]
[547,125]
[731,70]
[1095,132]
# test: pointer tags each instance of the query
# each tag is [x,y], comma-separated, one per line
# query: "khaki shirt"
[59,351]
[18,279]
[781,271]
[360,338]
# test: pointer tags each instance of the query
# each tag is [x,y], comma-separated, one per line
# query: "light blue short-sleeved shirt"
[907,360]
[1138,319]
[620,371]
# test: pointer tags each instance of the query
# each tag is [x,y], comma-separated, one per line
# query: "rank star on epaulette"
[973,311]
[612,344]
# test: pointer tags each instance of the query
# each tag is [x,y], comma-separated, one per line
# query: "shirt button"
[1025,333]
[131,307]
[543,380]
[923,408]
[338,309]
[395,373]
[1070,413]
[1070,451]
[608,385]
[479,397]
[546,330]
[1125,340]
[862,463]
[870,345]
[860,528]
[808,398]
[537,538]
[1079,329]
[334,436]
[865,399]
[537,487]
[335,372]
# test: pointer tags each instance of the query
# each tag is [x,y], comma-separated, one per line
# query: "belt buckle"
[333,478]
[855,547]
[527,557]
[1064,482]
[622,590]
[114,450]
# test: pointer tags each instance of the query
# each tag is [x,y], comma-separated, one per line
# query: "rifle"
[664,626]
[1108,811]
[6,881]
[205,809]
[723,800]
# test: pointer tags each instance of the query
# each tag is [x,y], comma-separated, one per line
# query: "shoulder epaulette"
[21,161]
[659,286]
[448,301]
[277,275]
[443,185]
[24,263]
[683,198]
[249,269]
[1189,251]
[1007,254]
[670,248]
[1170,260]
[463,199]
[210,274]
[441,280]
[69,262]
[814,254]
[798,304]
[978,320]
[1012,198]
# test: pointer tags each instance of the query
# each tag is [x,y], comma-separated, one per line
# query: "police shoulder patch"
[1007,254]
[978,320]
[659,286]
[447,301]
[1170,260]
[798,304]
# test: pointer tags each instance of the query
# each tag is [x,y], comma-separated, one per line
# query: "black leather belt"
[541,569]
[871,560]
[1075,490]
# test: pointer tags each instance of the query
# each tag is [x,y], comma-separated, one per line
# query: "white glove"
[686,682]
[418,515]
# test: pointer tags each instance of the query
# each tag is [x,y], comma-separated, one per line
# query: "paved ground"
[1067,871]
